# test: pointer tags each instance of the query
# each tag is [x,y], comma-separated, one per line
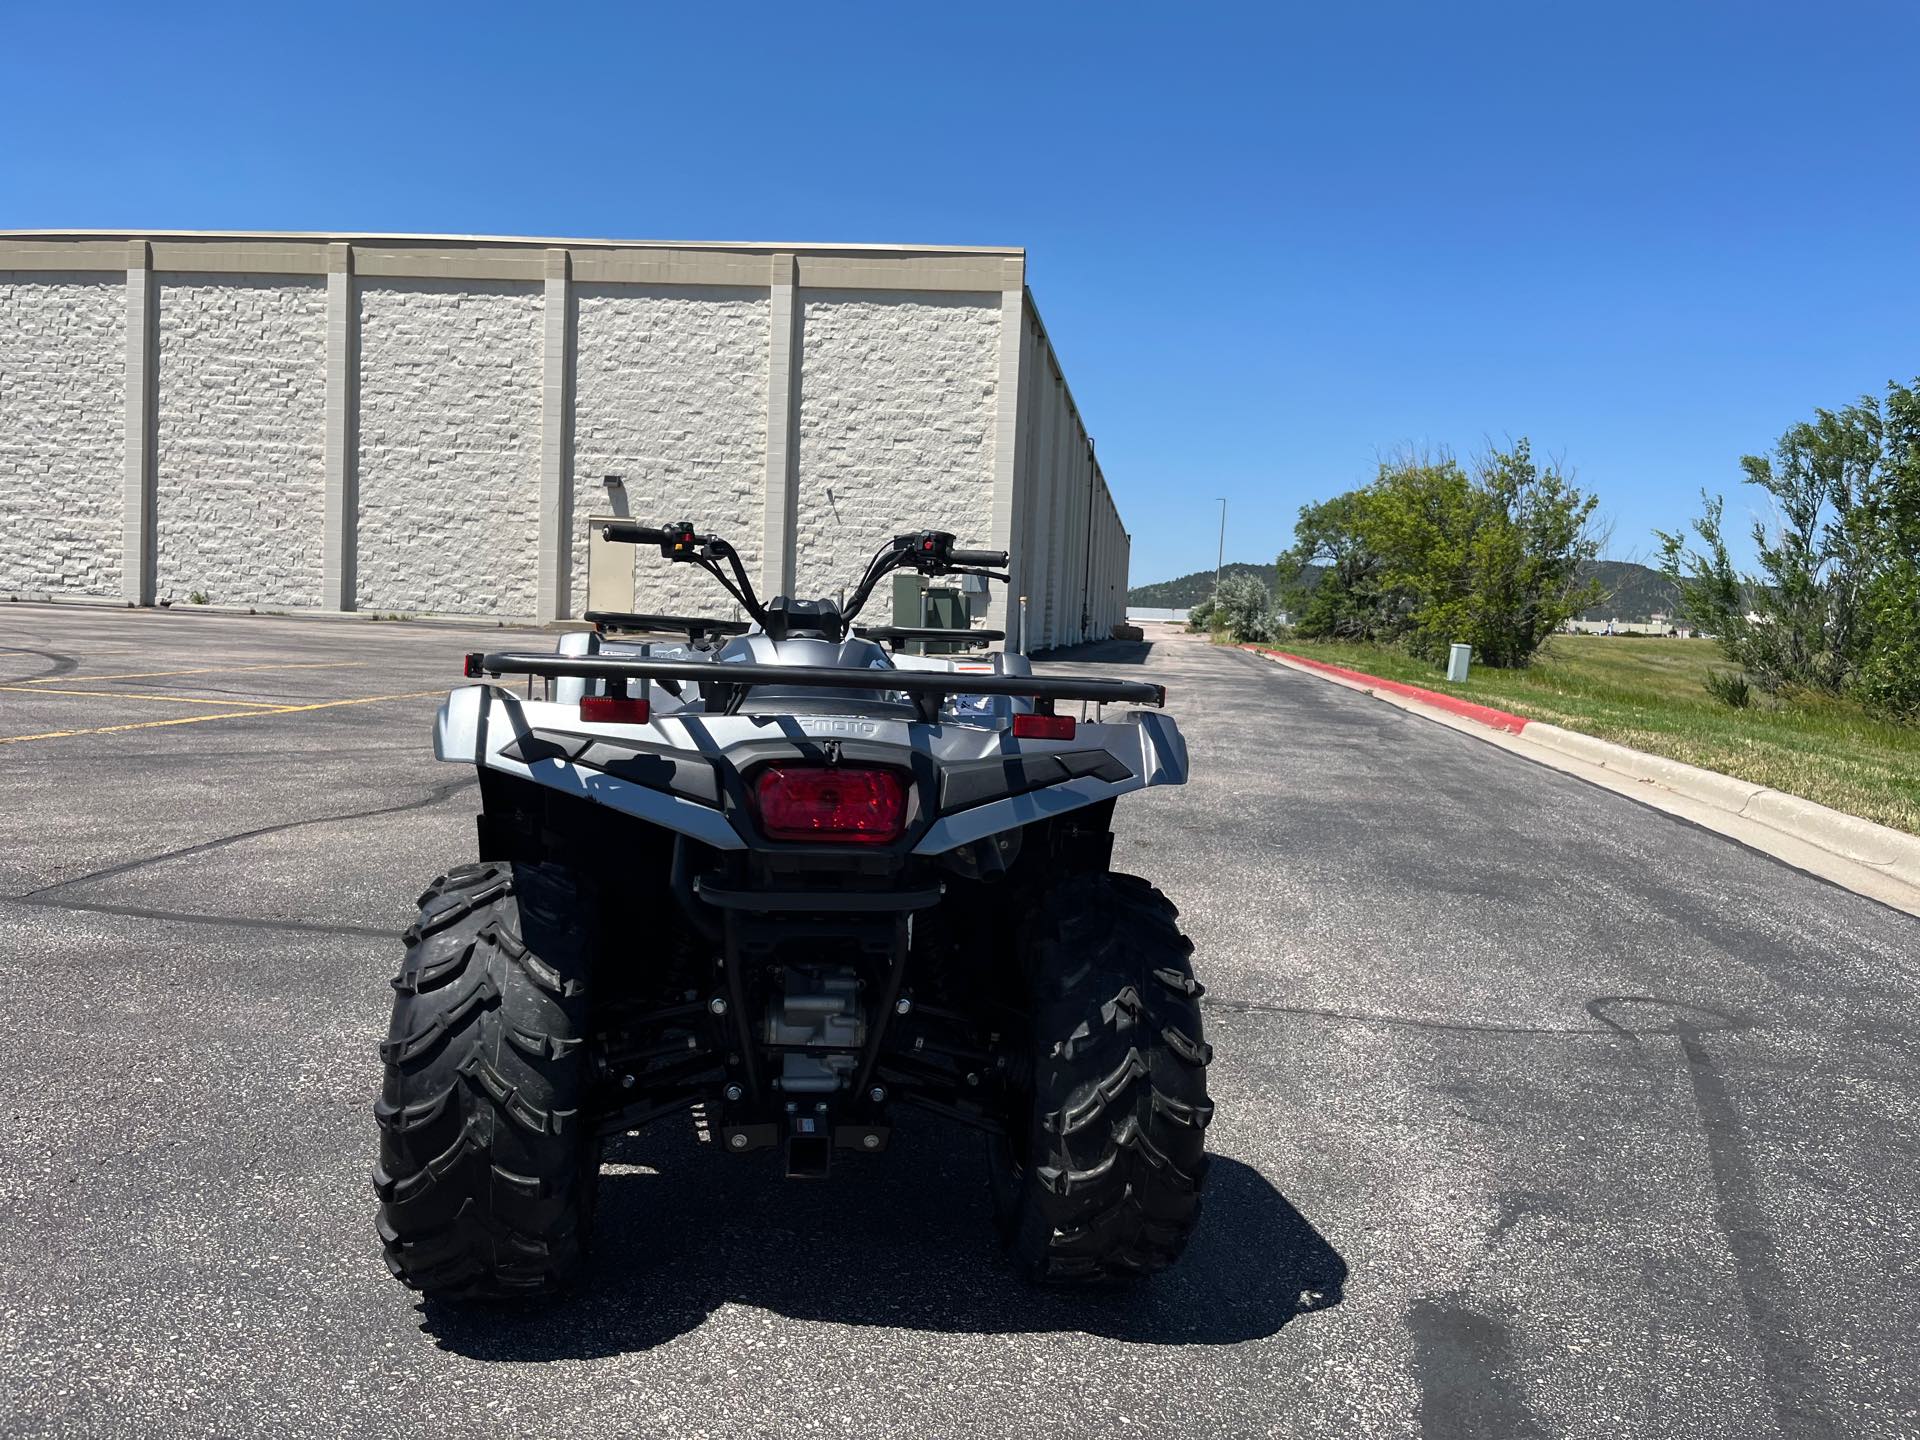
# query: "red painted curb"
[1483,714]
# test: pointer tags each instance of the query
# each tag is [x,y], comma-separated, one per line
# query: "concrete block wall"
[670,392]
[421,424]
[240,424]
[62,431]
[896,426]
[448,461]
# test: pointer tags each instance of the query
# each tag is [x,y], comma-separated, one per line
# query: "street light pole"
[1219,561]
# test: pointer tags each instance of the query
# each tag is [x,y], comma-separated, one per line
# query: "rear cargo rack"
[723,683]
[692,626]
[891,633]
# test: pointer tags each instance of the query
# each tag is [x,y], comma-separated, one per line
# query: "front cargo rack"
[724,683]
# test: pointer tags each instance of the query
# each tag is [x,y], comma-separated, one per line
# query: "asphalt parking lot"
[1539,1112]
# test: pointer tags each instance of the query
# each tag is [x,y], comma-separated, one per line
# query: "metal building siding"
[1069,558]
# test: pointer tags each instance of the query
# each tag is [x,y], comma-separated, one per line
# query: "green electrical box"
[946,610]
[919,606]
[909,599]
[910,607]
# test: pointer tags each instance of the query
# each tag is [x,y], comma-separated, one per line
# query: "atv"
[792,878]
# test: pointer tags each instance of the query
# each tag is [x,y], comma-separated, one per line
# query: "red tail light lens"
[1043,727]
[839,805]
[609,711]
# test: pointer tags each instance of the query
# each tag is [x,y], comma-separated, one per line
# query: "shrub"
[1243,610]
[1729,687]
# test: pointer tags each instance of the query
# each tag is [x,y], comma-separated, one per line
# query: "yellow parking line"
[362,700]
[204,670]
[114,729]
[227,715]
[134,695]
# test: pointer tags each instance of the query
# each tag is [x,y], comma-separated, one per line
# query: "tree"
[1423,519]
[1889,537]
[1430,555]
[1836,603]
[1344,600]
[1540,533]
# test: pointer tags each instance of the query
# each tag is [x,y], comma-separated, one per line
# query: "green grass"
[1651,694]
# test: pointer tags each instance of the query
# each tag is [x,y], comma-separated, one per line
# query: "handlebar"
[985,559]
[626,532]
[931,552]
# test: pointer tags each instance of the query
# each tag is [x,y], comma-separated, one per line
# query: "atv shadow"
[903,1240]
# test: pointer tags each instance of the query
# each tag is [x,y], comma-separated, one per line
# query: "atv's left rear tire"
[488,1156]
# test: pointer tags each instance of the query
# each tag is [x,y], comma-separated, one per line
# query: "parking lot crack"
[183,917]
[433,797]
[1254,1007]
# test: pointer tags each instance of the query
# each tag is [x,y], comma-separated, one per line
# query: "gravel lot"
[1539,1112]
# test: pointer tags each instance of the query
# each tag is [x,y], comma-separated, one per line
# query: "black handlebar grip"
[629,533]
[987,559]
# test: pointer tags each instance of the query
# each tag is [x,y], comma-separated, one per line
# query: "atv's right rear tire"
[1101,1172]
[488,1157]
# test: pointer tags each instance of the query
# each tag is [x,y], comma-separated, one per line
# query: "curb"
[1880,848]
[303,614]
[1482,714]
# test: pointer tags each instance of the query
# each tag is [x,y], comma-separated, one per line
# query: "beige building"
[422,424]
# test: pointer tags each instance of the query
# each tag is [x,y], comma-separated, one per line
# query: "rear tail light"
[610,711]
[838,804]
[1043,727]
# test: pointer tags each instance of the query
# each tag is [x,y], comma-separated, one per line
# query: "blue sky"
[1271,243]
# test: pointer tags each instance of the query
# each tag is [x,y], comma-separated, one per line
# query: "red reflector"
[1043,727]
[470,667]
[609,711]
[861,807]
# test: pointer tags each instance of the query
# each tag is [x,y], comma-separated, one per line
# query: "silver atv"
[791,878]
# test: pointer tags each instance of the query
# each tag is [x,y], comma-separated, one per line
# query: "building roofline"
[531,241]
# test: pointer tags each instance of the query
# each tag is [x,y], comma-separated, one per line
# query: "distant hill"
[1634,592]
[1192,589]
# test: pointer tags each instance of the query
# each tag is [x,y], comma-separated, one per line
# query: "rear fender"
[469,729]
[480,725]
[1148,744]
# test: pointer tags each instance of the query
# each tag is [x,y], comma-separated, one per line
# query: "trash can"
[1457,658]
